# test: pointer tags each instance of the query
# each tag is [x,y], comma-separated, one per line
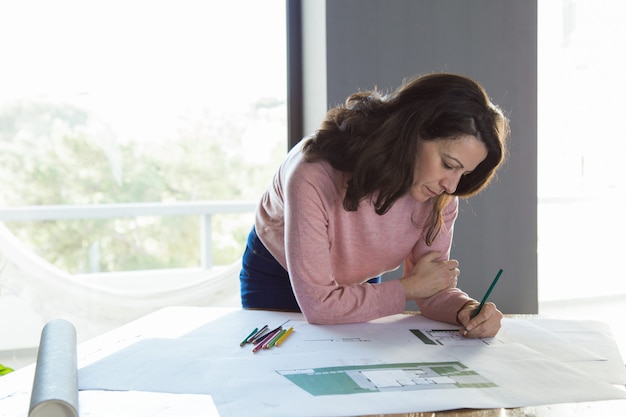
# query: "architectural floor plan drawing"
[447,337]
[399,364]
[343,380]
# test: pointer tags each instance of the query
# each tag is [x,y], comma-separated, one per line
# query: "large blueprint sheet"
[398,364]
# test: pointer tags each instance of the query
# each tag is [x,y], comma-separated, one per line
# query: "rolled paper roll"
[55,387]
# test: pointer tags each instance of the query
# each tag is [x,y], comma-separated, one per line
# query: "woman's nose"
[450,183]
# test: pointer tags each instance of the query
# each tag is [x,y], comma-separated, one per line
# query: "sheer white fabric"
[95,303]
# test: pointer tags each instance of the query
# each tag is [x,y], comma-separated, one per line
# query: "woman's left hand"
[485,324]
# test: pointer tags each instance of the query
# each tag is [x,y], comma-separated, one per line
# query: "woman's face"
[441,163]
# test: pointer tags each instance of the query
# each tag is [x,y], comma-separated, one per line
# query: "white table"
[176,321]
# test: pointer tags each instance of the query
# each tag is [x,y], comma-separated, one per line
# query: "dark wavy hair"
[374,137]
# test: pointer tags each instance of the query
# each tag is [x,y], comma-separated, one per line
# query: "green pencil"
[484,300]
[252,333]
[272,342]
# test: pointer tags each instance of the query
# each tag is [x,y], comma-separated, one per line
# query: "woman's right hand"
[430,275]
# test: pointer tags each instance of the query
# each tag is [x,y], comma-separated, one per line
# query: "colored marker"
[252,333]
[283,337]
[272,342]
[260,334]
[266,339]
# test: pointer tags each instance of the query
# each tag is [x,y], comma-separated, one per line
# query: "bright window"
[581,148]
[139,101]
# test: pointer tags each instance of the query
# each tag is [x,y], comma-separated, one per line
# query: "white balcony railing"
[204,209]
[33,291]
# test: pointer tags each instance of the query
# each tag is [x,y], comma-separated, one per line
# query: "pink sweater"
[329,252]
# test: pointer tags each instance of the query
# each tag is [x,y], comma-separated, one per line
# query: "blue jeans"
[264,282]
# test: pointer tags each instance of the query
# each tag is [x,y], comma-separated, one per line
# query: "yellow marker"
[283,337]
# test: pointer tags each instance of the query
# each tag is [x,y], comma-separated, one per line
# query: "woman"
[377,186]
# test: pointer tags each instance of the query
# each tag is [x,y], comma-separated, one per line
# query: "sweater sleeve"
[445,305]
[322,299]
